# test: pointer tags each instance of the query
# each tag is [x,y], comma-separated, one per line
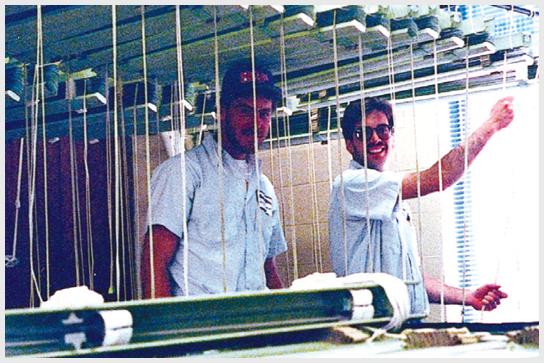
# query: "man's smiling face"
[377,148]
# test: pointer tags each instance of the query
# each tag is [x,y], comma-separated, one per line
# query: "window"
[491,219]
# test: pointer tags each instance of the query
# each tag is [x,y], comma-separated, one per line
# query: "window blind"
[466,259]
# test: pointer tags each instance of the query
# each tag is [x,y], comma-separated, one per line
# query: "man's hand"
[487,297]
[501,114]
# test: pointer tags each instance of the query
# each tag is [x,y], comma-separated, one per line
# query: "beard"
[233,138]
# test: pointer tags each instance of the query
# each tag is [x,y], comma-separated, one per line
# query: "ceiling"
[312,51]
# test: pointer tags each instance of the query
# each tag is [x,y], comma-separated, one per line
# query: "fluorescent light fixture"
[187,105]
[476,50]
[278,8]
[285,110]
[428,33]
[380,30]
[348,24]
[305,18]
[13,95]
[444,45]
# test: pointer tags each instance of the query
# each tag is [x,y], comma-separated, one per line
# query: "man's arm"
[453,163]
[164,246]
[486,297]
[273,280]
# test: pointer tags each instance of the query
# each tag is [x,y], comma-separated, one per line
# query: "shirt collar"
[355,165]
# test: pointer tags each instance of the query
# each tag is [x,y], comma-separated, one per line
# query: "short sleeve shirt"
[232,221]
[370,230]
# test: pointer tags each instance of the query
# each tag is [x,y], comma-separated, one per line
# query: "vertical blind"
[465,242]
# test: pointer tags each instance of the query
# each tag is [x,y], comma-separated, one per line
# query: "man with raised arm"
[370,226]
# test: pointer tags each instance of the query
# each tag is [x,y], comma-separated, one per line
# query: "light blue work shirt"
[217,266]
[390,245]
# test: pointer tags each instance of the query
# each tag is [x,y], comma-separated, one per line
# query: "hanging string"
[29,131]
[136,178]
[287,130]
[76,206]
[45,174]
[201,127]
[147,157]
[11,260]
[33,160]
[513,195]
[256,141]
[126,249]
[45,177]
[111,289]
[220,148]
[90,249]
[312,180]
[337,97]
[418,172]
[116,152]
[365,155]
[391,76]
[440,176]
[182,148]
[329,148]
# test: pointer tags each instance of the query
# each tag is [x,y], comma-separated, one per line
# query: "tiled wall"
[302,176]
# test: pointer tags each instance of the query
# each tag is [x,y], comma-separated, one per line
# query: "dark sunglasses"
[384,132]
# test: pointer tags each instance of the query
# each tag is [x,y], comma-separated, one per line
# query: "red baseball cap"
[240,79]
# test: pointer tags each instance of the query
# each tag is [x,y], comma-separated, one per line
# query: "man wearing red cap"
[229,224]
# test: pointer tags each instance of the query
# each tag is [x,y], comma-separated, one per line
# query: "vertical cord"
[123,192]
[365,146]
[90,253]
[504,80]
[201,128]
[287,128]
[46,192]
[440,176]
[127,231]
[111,289]
[182,149]
[136,178]
[116,151]
[33,159]
[312,180]
[256,144]
[45,176]
[148,159]
[220,149]
[13,258]
[329,148]
[337,97]
[391,73]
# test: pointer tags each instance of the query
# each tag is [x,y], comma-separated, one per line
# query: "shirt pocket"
[213,214]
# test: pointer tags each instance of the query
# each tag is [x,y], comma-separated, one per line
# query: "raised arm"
[453,163]
[164,246]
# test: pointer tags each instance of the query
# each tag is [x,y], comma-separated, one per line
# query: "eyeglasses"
[383,131]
